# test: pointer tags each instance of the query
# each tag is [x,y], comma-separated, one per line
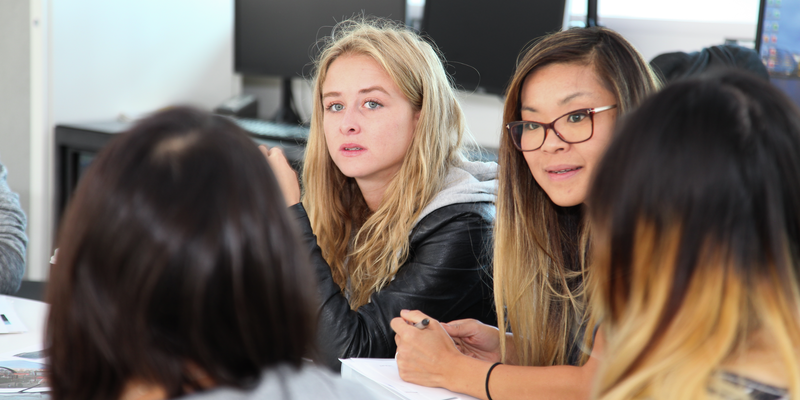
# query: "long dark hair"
[176,255]
[696,218]
[538,268]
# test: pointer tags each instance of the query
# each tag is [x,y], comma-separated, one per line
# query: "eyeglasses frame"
[552,126]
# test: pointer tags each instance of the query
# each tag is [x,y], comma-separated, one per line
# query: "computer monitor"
[778,44]
[481,39]
[278,37]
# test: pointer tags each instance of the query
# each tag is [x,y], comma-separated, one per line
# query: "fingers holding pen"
[421,349]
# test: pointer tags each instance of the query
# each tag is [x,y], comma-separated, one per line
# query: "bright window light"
[731,11]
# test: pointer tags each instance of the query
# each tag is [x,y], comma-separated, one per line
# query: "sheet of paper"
[384,372]
[22,372]
[9,320]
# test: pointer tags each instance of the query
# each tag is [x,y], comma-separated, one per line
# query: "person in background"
[561,107]
[394,215]
[677,65]
[180,273]
[13,240]
[696,253]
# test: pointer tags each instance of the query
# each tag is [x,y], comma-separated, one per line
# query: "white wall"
[95,60]
[653,36]
[113,58]
[15,95]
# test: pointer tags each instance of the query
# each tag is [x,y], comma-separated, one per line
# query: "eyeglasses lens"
[572,128]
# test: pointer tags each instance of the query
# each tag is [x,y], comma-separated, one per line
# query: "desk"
[380,375]
[77,144]
[33,313]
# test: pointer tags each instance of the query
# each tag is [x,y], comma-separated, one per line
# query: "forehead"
[561,83]
[355,70]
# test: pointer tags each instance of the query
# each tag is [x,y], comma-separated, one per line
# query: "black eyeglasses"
[573,127]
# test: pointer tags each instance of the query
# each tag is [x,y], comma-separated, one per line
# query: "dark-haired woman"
[560,111]
[696,217]
[179,272]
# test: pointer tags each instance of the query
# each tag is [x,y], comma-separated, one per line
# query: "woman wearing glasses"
[394,215]
[561,107]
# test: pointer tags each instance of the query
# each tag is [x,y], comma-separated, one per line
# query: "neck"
[372,192]
[142,391]
[761,361]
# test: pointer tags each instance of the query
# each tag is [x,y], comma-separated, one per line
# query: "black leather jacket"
[447,276]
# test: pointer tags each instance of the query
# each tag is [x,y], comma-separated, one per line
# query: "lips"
[563,170]
[351,149]
[560,172]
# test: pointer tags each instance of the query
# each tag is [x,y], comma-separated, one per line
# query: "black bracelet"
[488,374]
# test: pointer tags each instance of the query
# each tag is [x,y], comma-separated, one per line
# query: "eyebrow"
[376,88]
[562,102]
[373,89]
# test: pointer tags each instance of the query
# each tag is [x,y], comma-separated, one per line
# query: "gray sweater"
[12,237]
[286,383]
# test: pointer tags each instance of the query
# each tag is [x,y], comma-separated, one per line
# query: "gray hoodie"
[287,383]
[472,182]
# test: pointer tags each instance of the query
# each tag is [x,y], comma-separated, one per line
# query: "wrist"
[488,377]
[511,350]
[468,377]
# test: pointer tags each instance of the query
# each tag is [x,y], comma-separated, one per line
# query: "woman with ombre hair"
[696,216]
[394,215]
[561,107]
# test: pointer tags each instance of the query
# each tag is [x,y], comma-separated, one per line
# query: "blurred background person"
[696,252]
[179,272]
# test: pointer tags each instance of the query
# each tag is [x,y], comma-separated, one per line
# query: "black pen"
[422,324]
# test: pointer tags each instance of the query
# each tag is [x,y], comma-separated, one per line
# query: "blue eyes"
[370,105]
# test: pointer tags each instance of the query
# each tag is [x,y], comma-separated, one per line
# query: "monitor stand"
[286,113]
[591,13]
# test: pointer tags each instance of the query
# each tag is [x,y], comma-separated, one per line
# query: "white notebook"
[380,374]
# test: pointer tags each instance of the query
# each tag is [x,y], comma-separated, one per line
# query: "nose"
[350,122]
[552,142]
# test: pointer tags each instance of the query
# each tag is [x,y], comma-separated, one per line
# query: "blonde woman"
[561,107]
[394,215]
[697,235]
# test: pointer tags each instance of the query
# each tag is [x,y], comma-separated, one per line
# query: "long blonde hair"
[537,294]
[697,240]
[370,247]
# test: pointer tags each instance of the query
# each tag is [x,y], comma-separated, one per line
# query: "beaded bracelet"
[489,373]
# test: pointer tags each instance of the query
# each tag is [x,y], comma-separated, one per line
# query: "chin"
[567,201]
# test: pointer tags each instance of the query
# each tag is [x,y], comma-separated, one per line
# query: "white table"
[33,314]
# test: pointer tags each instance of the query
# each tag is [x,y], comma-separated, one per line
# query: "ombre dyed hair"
[696,240]
[539,265]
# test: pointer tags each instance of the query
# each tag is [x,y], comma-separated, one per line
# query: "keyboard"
[273,130]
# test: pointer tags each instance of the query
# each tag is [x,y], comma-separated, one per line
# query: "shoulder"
[308,382]
[455,217]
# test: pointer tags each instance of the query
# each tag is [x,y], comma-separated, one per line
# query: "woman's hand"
[424,356]
[287,178]
[475,339]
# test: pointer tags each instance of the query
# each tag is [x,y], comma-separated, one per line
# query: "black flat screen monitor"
[481,39]
[778,44]
[278,37]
